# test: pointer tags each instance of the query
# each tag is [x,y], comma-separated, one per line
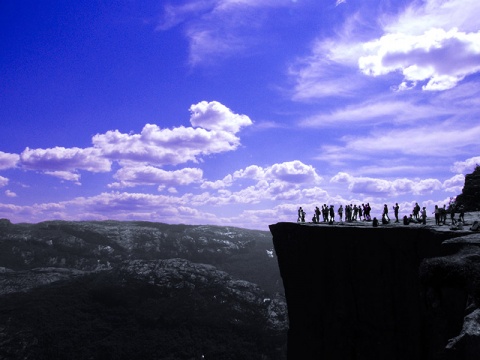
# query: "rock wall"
[470,196]
[355,292]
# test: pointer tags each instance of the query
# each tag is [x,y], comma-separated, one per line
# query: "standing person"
[366,212]
[355,212]
[332,213]
[416,210]
[303,215]
[424,215]
[395,211]
[340,213]
[437,215]
[452,214]
[317,214]
[300,211]
[385,213]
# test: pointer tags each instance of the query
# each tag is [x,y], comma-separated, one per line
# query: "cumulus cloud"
[131,176]
[64,159]
[214,129]
[10,193]
[454,184]
[293,172]
[65,175]
[8,161]
[440,57]
[436,41]
[290,171]
[216,116]
[217,126]
[385,188]
[432,43]
[218,184]
[467,166]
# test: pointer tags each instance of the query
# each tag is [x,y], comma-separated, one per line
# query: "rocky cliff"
[392,292]
[470,196]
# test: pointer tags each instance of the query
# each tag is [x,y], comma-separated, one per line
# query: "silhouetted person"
[452,215]
[375,222]
[424,215]
[395,211]
[300,211]
[416,210]
[332,213]
[385,213]
[437,215]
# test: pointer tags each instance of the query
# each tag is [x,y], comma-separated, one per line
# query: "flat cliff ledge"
[365,293]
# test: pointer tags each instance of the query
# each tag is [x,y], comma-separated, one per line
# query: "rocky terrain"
[405,292]
[139,290]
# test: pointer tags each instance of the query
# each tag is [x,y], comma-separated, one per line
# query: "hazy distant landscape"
[139,290]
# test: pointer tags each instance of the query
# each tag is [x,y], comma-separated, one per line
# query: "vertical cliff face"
[470,196]
[355,292]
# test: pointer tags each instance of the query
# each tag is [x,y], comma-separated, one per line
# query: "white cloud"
[293,172]
[65,175]
[131,176]
[218,184]
[454,184]
[10,193]
[216,116]
[157,146]
[219,28]
[439,140]
[8,161]
[467,166]
[3,181]
[443,58]
[434,42]
[386,188]
[419,17]
[64,159]
[380,110]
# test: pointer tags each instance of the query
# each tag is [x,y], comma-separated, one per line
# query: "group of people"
[327,214]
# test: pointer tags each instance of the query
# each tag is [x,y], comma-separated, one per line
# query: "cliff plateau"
[392,292]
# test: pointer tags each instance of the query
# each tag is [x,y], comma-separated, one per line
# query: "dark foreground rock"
[397,292]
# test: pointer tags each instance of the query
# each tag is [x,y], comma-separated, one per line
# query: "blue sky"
[234,112]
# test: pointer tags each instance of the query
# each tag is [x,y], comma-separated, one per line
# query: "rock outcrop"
[394,292]
[470,196]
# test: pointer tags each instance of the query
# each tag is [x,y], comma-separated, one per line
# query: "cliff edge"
[398,292]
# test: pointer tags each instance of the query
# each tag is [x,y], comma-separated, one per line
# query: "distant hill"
[139,290]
